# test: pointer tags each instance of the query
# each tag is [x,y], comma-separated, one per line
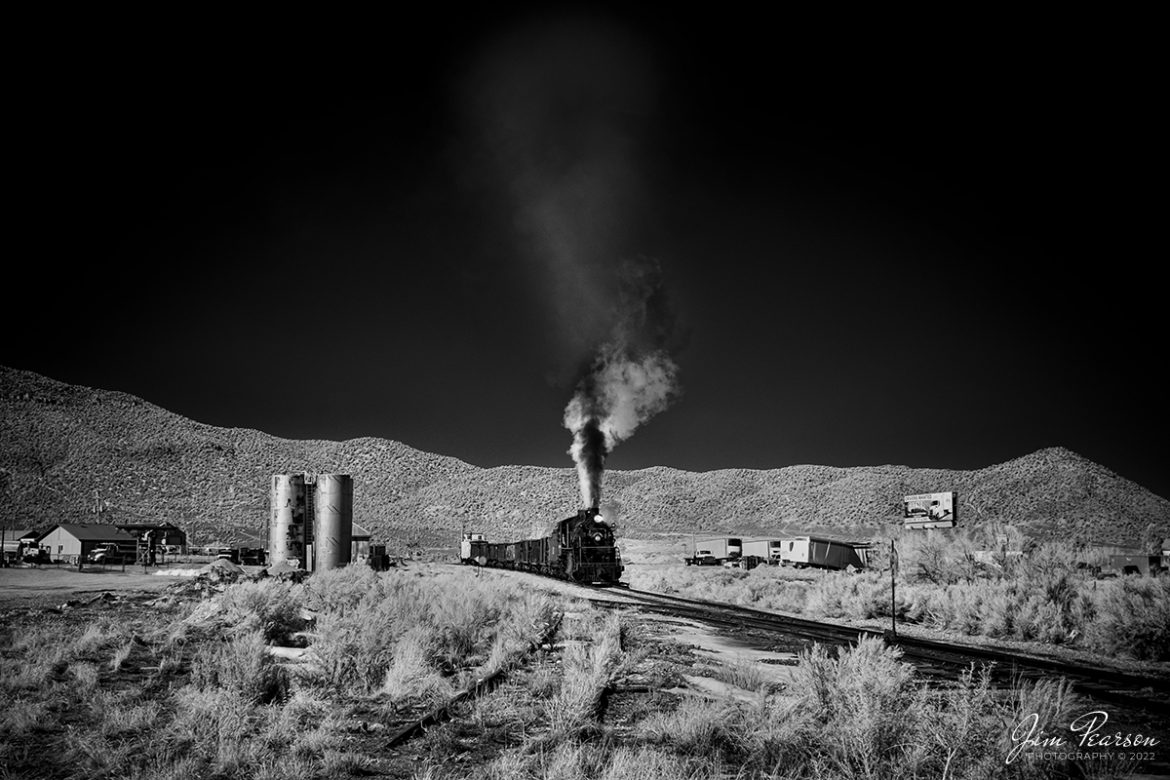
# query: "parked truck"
[758,552]
[713,552]
[804,551]
[107,552]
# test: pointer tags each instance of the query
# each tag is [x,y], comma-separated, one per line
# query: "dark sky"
[925,241]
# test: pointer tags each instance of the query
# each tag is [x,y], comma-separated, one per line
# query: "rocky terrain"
[76,454]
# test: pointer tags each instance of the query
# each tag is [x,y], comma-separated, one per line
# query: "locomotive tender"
[580,548]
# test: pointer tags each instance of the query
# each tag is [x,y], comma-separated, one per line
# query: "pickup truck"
[107,552]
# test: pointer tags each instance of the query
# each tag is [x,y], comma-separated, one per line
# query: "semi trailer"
[713,552]
[821,552]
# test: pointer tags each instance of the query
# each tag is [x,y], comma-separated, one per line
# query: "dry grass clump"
[412,671]
[242,666]
[270,606]
[588,666]
[697,727]
[417,637]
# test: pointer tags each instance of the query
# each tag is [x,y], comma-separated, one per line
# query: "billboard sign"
[929,510]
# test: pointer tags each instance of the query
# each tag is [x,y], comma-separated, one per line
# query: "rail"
[944,657]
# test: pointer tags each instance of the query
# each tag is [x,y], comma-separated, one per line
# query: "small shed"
[360,541]
[163,534]
[71,541]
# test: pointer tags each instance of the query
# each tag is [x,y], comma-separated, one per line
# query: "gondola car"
[580,548]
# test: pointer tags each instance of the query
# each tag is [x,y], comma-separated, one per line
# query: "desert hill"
[77,454]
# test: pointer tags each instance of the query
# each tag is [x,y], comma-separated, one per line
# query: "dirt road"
[32,586]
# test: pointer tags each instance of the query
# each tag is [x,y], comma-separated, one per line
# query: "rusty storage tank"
[333,521]
[287,521]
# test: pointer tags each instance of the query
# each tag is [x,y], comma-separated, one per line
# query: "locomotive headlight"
[597,537]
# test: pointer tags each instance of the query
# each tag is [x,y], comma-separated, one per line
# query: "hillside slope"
[68,451]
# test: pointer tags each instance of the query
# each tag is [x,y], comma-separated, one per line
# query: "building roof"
[91,532]
[148,526]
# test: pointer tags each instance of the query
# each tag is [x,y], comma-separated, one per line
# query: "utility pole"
[893,600]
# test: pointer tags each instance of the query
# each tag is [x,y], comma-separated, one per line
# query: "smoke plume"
[558,105]
[631,379]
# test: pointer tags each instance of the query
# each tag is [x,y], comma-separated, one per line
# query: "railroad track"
[944,660]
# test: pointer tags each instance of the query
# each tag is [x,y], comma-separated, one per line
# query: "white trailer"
[803,551]
[712,552]
[767,551]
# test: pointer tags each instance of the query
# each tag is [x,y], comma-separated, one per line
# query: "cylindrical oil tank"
[286,527]
[333,521]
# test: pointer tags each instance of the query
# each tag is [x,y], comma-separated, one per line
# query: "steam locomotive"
[579,548]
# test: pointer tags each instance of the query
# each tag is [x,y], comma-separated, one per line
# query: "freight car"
[580,548]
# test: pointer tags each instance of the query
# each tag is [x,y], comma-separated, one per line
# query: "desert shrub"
[352,649]
[344,589]
[864,700]
[462,623]
[272,606]
[862,714]
[528,617]
[1131,618]
[961,728]
[241,665]
[1054,607]
[1038,619]
[697,727]
[784,596]
[860,596]
[997,613]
